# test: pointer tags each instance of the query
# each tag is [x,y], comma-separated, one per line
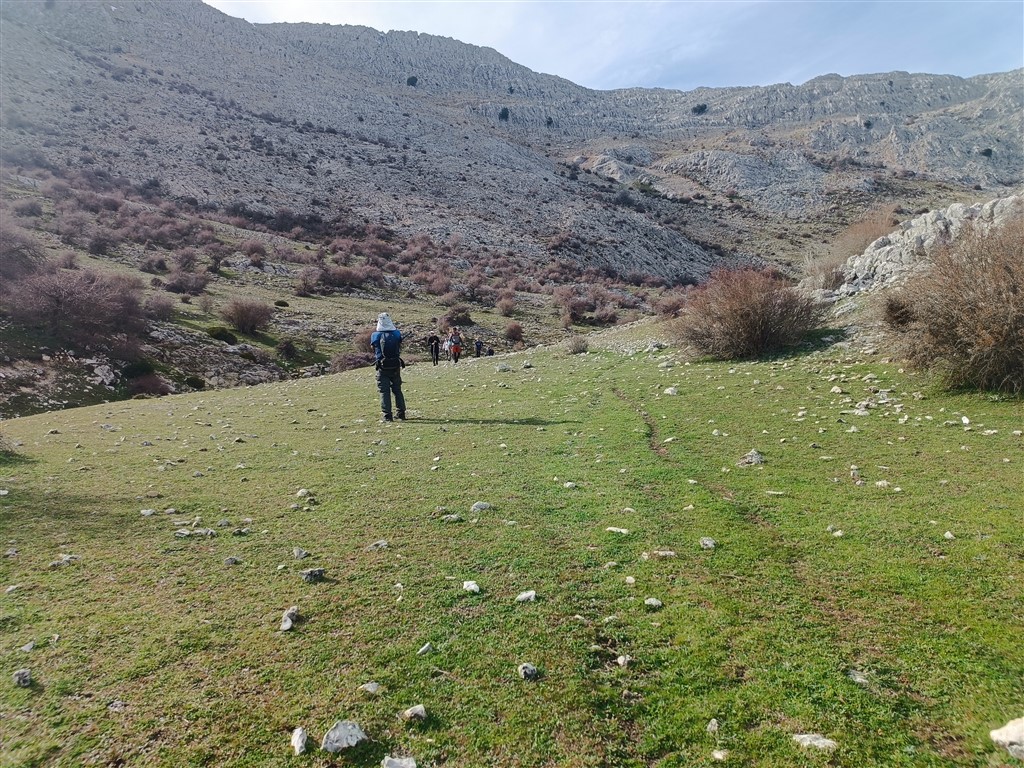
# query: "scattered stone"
[569,484]
[344,734]
[815,740]
[232,561]
[526,597]
[240,532]
[707,542]
[503,368]
[480,506]
[12,552]
[751,459]
[630,580]
[299,739]
[672,391]
[623,661]
[838,533]
[663,553]
[948,536]
[289,618]
[298,553]
[64,560]
[117,706]
[371,688]
[302,493]
[312,575]
[528,672]
[712,727]
[397,762]
[12,588]
[720,754]
[23,678]
[857,676]
[612,529]
[427,648]
[1011,737]
[377,545]
[471,586]
[653,603]
[223,523]
[28,646]
[418,713]
[147,512]
[452,519]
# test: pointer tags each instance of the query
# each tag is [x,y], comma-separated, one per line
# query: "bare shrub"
[875,223]
[457,315]
[68,260]
[826,272]
[964,316]
[670,303]
[577,345]
[308,282]
[79,305]
[206,304]
[186,259]
[746,313]
[149,384]
[190,283]
[247,315]
[159,307]
[28,208]
[154,264]
[287,350]
[20,253]
[253,248]
[506,306]
[514,331]
[361,340]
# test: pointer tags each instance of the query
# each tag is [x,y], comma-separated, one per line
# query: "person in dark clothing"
[435,347]
[386,342]
[490,351]
[478,347]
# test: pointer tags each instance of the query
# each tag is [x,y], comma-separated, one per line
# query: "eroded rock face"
[895,258]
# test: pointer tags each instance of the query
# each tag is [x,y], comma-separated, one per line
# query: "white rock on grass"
[613,529]
[343,734]
[653,603]
[302,493]
[712,727]
[720,754]
[526,597]
[299,740]
[623,661]
[672,391]
[480,506]
[417,713]
[372,688]
[471,586]
[706,542]
[298,553]
[22,678]
[289,618]
[569,485]
[753,458]
[397,762]
[663,553]
[312,575]
[857,676]
[948,536]
[427,648]
[377,545]
[1011,737]
[528,672]
[814,741]
[452,519]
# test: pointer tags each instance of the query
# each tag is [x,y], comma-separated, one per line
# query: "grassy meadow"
[149,650]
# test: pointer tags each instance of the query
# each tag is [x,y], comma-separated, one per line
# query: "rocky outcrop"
[893,259]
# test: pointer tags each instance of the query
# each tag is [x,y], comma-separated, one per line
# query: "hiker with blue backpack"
[387,346]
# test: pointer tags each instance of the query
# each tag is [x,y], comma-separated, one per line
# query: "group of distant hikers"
[386,342]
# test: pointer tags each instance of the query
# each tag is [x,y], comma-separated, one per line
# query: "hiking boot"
[401,415]
[386,417]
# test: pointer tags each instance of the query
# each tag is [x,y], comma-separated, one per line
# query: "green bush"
[220,333]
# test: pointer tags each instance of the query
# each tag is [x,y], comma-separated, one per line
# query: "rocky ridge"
[427,134]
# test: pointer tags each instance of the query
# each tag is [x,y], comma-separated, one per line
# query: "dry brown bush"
[361,341]
[826,271]
[964,316]
[875,223]
[20,254]
[506,307]
[160,307]
[514,331]
[79,305]
[247,315]
[189,283]
[577,345]
[746,313]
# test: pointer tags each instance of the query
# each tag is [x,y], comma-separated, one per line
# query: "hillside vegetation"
[863,583]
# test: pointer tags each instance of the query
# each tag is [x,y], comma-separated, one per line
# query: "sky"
[685,44]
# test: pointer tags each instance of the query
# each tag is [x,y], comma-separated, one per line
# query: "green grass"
[759,633]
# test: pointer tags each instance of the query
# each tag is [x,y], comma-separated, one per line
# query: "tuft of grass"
[760,633]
